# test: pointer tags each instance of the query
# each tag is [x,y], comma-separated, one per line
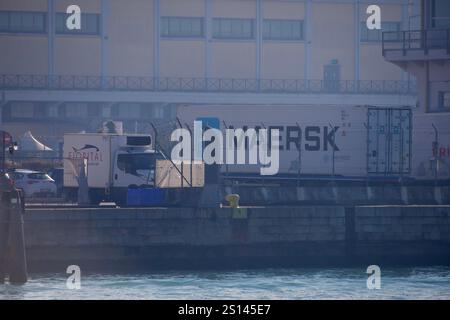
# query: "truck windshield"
[131,163]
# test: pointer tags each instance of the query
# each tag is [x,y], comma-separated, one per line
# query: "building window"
[445,100]
[440,14]
[224,28]
[182,27]
[283,30]
[90,24]
[22,22]
[376,35]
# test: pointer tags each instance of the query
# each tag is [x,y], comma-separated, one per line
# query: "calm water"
[396,283]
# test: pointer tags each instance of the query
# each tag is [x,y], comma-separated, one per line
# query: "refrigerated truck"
[113,163]
[348,141]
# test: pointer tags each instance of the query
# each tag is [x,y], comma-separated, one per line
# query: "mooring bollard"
[12,240]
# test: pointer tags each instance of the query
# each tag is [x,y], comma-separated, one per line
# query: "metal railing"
[425,40]
[220,85]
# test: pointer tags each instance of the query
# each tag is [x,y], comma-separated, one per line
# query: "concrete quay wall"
[341,195]
[178,238]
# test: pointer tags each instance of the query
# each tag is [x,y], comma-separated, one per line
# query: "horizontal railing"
[416,40]
[220,85]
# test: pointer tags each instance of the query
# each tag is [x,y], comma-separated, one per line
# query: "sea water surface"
[332,283]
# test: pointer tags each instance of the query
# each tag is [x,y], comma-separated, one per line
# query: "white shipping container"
[315,126]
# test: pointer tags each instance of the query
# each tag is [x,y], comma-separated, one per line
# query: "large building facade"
[424,51]
[136,60]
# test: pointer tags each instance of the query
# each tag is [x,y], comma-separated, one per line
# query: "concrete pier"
[13,261]
[183,238]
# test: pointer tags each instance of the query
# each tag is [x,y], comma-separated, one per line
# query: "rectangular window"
[440,14]
[376,35]
[90,24]
[182,27]
[283,30]
[224,28]
[22,22]
[445,99]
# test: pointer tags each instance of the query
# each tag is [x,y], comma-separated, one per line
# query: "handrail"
[425,40]
[220,85]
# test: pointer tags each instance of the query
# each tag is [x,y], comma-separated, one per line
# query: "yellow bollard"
[233,200]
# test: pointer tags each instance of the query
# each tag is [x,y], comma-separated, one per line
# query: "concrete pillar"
[259,37]
[12,241]
[18,273]
[156,36]
[307,35]
[51,36]
[357,20]
[208,37]
[4,233]
[104,43]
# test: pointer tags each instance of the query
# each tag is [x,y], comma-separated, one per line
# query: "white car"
[34,184]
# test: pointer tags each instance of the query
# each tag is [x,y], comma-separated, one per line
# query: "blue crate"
[145,197]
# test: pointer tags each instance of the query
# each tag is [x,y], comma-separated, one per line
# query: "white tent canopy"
[29,143]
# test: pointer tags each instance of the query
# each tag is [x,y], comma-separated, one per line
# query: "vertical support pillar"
[307,36]
[208,37]
[4,232]
[259,38]
[104,43]
[51,37]
[357,41]
[12,240]
[18,273]
[156,37]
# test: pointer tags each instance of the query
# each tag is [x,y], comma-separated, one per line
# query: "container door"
[388,141]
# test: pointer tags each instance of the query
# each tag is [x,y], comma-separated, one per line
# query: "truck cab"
[134,167]
[113,163]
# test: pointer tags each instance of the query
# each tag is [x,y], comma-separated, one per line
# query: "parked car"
[57,174]
[34,184]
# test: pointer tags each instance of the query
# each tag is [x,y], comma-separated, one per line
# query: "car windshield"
[39,176]
[16,176]
[131,163]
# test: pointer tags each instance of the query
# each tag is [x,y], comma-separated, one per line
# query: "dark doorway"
[332,77]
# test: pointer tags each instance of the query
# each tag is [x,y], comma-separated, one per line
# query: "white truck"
[113,163]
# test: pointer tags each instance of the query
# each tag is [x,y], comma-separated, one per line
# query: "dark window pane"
[440,14]
[22,21]
[181,27]
[283,29]
[4,21]
[224,28]
[90,24]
